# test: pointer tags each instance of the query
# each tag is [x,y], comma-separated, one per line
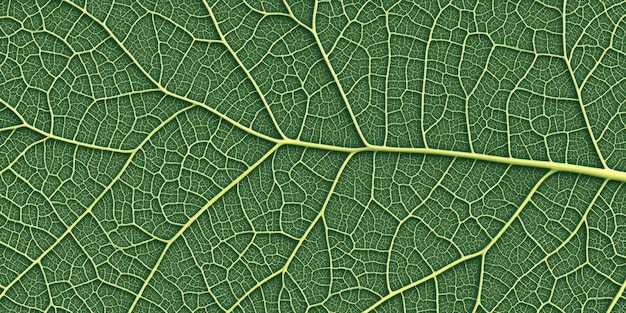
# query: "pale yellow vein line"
[599,15]
[617,297]
[469,256]
[601,57]
[584,112]
[59,138]
[88,210]
[561,167]
[244,69]
[561,246]
[12,128]
[194,218]
[22,154]
[603,173]
[222,116]
[301,241]
[579,91]
[480,284]
[313,31]
[422,104]
[158,85]
[410,215]
[293,16]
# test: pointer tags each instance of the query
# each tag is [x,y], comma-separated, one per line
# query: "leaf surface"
[312,156]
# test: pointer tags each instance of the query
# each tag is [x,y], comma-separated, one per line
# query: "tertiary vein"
[480,253]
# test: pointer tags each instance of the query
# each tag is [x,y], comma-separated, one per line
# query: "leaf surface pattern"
[312,156]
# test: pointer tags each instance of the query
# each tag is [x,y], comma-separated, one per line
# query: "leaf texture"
[312,156]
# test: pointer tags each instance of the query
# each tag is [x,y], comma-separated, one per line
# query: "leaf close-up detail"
[312,156]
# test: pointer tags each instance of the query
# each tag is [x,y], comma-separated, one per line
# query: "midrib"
[605,173]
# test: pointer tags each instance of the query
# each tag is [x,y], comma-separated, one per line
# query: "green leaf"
[312,156]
